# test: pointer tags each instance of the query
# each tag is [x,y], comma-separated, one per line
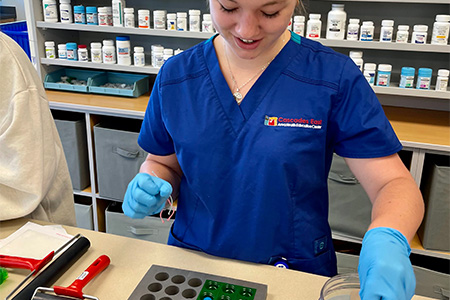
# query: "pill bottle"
[72,50]
[167,53]
[139,56]
[91,15]
[144,18]
[128,17]
[289,27]
[387,31]
[96,52]
[369,72]
[109,52]
[353,30]
[110,15]
[62,51]
[181,21]
[441,29]
[79,14]
[207,25]
[82,53]
[117,12]
[159,19]
[177,51]
[356,56]
[159,58]
[442,80]
[419,35]
[407,78]
[299,25]
[336,22]
[313,26]
[384,75]
[424,79]
[103,16]
[50,11]
[50,49]
[402,34]
[194,20]
[171,21]
[123,50]
[65,11]
[367,30]
[154,49]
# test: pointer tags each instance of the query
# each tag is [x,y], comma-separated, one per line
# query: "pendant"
[238,96]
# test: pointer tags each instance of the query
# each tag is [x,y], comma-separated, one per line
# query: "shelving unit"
[419,117]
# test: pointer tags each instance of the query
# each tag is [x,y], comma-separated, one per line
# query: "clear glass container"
[341,287]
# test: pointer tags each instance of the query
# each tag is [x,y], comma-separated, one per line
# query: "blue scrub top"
[255,175]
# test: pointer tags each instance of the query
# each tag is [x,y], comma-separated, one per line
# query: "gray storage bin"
[350,207]
[83,215]
[347,263]
[150,228]
[118,156]
[72,132]
[435,229]
[432,284]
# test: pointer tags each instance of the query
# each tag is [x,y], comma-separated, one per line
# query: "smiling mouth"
[247,41]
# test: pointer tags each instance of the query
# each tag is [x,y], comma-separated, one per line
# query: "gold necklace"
[237,94]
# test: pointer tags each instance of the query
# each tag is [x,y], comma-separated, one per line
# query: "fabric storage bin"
[83,215]
[118,156]
[434,230]
[432,284]
[72,132]
[349,206]
[150,228]
[140,84]
[347,263]
[52,79]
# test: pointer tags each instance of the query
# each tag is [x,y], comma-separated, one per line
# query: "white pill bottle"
[50,11]
[337,18]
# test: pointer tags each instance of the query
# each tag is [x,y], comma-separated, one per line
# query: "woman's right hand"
[145,195]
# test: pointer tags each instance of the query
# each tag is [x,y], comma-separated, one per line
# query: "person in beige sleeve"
[34,177]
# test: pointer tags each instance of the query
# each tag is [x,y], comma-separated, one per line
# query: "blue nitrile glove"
[145,195]
[385,271]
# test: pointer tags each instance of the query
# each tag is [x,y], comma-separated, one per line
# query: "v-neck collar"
[239,114]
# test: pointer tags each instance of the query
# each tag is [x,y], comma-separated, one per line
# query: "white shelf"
[123,30]
[386,46]
[90,65]
[355,240]
[396,91]
[391,90]
[206,35]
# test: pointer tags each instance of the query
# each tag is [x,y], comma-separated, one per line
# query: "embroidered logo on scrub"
[293,122]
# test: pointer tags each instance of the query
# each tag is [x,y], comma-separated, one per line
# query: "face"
[251,28]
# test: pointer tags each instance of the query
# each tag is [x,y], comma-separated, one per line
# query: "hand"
[385,271]
[145,195]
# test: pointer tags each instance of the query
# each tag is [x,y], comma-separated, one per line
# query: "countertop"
[131,259]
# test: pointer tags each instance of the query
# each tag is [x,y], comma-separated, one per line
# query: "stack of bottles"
[407,77]
[336,29]
[110,52]
[121,16]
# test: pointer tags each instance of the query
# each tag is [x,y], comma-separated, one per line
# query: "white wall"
[20,7]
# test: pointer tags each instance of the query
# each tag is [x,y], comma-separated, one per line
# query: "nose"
[248,25]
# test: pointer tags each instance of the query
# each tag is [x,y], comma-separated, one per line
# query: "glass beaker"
[341,287]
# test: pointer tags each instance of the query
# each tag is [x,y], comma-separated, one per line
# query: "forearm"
[163,171]
[398,205]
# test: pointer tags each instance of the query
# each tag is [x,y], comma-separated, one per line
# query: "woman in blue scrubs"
[242,129]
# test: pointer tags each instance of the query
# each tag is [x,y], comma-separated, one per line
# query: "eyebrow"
[266,4]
